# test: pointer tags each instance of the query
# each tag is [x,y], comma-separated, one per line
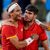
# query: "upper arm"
[45,44]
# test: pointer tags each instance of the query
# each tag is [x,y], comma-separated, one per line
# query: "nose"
[26,15]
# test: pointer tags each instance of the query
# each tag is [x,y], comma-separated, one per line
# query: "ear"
[35,15]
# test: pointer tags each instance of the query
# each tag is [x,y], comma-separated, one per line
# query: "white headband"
[12,7]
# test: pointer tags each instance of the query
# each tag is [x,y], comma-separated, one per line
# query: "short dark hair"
[32,8]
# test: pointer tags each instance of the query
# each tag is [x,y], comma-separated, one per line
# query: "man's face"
[29,16]
[17,13]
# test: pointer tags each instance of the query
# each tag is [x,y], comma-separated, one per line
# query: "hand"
[35,36]
[46,26]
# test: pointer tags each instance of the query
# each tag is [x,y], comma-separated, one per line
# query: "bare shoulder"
[6,22]
[9,22]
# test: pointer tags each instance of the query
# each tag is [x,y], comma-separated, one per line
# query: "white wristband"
[29,40]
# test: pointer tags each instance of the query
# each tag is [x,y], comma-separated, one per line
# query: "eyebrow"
[28,12]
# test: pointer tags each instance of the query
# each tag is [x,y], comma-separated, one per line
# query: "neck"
[12,20]
[30,23]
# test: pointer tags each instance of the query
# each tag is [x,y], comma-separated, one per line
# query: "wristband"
[29,40]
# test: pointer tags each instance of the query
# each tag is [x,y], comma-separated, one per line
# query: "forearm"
[18,44]
[21,44]
[28,41]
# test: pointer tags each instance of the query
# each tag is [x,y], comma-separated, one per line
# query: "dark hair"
[32,8]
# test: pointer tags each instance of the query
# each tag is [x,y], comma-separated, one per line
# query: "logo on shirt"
[21,29]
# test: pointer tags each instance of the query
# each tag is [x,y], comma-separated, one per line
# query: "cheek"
[31,16]
[16,13]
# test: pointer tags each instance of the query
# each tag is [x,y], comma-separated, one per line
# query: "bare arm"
[44,25]
[18,44]
[45,45]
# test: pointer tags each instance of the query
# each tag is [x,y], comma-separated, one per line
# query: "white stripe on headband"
[12,7]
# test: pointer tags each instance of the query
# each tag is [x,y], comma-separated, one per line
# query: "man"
[31,27]
[12,30]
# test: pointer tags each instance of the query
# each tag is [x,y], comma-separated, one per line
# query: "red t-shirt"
[9,31]
[32,30]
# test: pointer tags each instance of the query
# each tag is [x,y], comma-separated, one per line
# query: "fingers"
[35,36]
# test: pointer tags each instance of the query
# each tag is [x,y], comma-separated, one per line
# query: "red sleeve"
[8,31]
[43,35]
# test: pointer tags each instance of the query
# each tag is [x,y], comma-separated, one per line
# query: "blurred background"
[43,15]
